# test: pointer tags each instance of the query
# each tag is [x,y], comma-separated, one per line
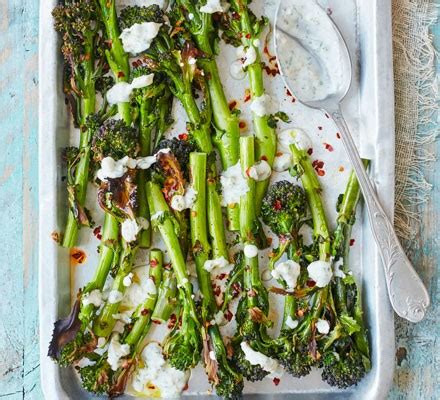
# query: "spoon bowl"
[316,66]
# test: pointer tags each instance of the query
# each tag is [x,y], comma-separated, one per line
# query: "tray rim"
[382,93]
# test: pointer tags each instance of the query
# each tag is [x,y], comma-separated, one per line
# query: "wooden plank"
[19,354]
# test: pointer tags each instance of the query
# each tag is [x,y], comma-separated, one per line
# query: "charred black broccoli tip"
[284,207]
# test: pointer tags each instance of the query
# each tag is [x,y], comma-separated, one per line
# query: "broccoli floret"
[97,378]
[115,139]
[293,354]
[284,207]
[345,367]
[103,84]
[249,371]
[137,15]
[181,149]
[182,347]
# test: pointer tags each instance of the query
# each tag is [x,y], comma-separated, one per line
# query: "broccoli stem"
[145,135]
[82,170]
[247,220]
[216,230]
[107,252]
[166,300]
[346,216]
[104,323]
[117,58]
[247,201]
[313,190]
[266,140]
[162,219]
[144,313]
[202,137]
[199,233]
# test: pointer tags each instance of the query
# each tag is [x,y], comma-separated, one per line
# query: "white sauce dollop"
[293,136]
[288,271]
[250,251]
[320,272]
[115,296]
[138,37]
[180,203]
[121,91]
[260,171]
[129,230]
[291,323]
[314,62]
[158,372]
[94,297]
[116,351]
[323,326]
[234,185]
[216,263]
[256,358]
[213,6]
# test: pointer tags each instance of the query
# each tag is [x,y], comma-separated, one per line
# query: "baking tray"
[367,28]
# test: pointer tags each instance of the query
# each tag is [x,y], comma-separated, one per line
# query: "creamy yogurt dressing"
[312,58]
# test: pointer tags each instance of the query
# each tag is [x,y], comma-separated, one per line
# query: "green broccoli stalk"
[252,314]
[72,337]
[183,345]
[78,23]
[246,28]
[346,356]
[304,338]
[227,382]
[117,58]
[225,121]
[166,298]
[147,100]
[100,378]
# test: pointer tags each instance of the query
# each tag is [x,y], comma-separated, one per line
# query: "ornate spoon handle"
[407,293]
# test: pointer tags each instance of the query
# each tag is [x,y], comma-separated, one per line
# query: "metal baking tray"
[367,27]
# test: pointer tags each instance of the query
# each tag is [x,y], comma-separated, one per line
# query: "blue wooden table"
[418,356]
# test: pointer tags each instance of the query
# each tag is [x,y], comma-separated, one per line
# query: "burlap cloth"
[417,108]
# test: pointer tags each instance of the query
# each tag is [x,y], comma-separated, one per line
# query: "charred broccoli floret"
[181,149]
[343,367]
[284,208]
[137,15]
[115,139]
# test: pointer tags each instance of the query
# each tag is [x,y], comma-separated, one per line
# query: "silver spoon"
[406,290]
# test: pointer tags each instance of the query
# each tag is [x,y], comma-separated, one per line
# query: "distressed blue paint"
[416,378]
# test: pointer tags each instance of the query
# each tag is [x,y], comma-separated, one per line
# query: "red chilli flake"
[154,263]
[183,136]
[338,135]
[222,276]
[352,242]
[228,315]
[145,312]
[121,74]
[78,256]
[320,172]
[236,289]
[276,381]
[242,125]
[311,283]
[264,158]
[328,147]
[247,95]
[172,321]
[232,104]
[277,205]
[185,387]
[310,151]
[97,232]
[248,35]
[217,291]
